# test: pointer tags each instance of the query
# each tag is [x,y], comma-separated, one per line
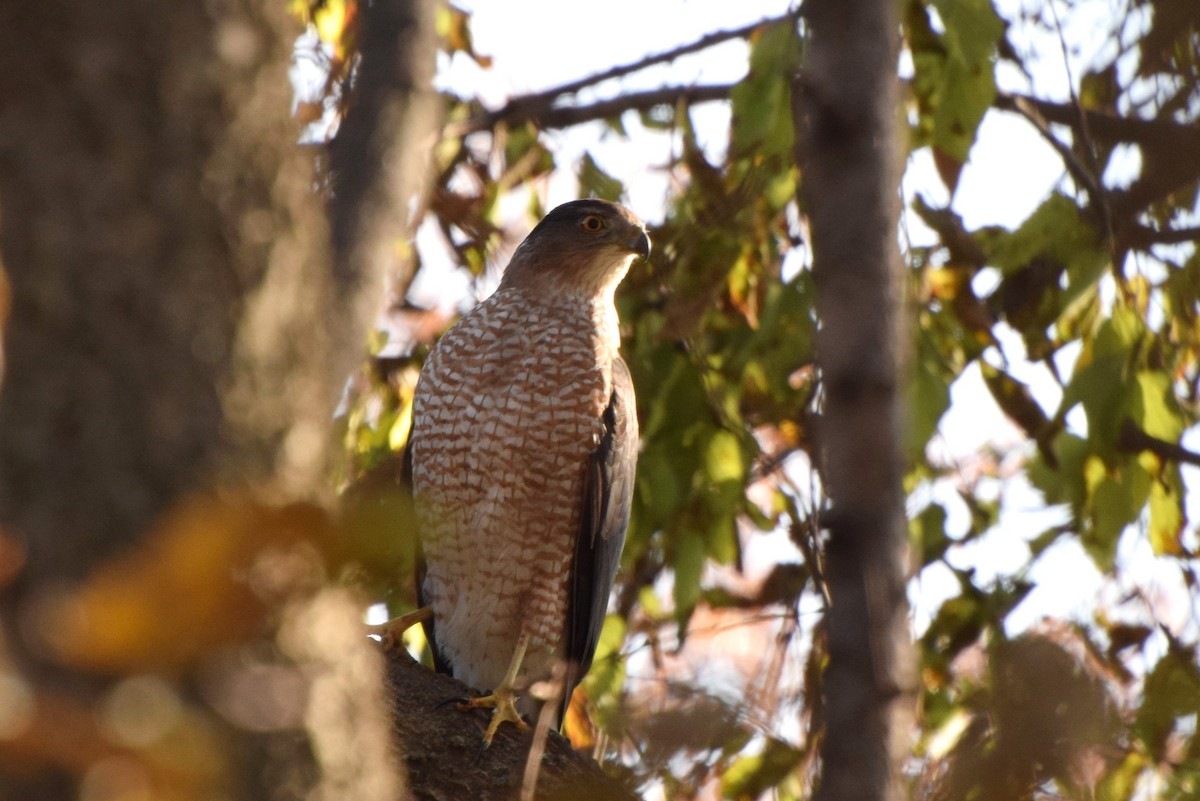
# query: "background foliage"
[1080,320]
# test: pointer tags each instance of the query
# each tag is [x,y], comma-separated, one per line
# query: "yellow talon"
[503,703]
[392,632]
[503,700]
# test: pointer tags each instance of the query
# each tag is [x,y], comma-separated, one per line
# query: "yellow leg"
[392,631]
[503,700]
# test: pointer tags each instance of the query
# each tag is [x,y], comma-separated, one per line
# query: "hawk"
[523,450]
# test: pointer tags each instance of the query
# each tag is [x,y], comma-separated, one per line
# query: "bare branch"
[548,96]
[1171,150]
[540,110]
[1143,236]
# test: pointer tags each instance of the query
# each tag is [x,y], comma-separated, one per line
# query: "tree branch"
[381,153]
[1133,439]
[441,746]
[540,108]
[1084,176]
[1110,128]
[1170,150]
[548,96]
[1143,236]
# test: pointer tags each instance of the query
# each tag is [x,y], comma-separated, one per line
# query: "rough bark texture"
[167,262]
[441,746]
[173,326]
[849,151]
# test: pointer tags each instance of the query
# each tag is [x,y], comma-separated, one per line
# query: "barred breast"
[507,410]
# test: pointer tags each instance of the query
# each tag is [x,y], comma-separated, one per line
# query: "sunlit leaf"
[595,182]
[1172,690]
[724,459]
[688,557]
[750,776]
[1167,512]
[1115,499]
[954,77]
[762,108]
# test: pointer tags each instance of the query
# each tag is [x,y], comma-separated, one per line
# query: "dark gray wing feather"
[440,663]
[607,495]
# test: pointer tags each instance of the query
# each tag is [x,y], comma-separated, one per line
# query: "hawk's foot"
[503,703]
[391,633]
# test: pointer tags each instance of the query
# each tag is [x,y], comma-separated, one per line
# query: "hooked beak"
[640,244]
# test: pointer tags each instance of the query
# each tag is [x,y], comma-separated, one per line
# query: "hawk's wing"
[607,494]
[439,662]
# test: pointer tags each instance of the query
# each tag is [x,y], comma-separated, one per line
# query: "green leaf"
[1120,783]
[606,678]
[1101,378]
[954,73]
[752,776]
[928,532]
[1115,499]
[723,458]
[1172,690]
[688,556]
[1154,407]
[762,105]
[1054,230]
[595,182]
[928,397]
[1167,516]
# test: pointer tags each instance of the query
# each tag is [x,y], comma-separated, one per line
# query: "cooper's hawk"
[523,450]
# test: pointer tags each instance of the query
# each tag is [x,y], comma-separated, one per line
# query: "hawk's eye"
[592,223]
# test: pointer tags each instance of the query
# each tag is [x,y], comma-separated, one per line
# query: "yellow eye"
[592,223]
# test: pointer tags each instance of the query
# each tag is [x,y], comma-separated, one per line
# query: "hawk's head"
[581,246]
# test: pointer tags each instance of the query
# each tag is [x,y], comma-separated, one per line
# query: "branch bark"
[441,747]
[848,148]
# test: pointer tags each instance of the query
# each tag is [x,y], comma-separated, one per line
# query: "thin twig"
[1099,197]
[1078,171]
[1133,439]
[1103,125]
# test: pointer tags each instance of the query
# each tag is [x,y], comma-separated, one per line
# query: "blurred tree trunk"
[167,259]
[175,326]
[850,158]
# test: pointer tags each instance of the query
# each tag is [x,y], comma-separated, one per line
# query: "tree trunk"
[382,151]
[848,148]
[174,330]
[167,261]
